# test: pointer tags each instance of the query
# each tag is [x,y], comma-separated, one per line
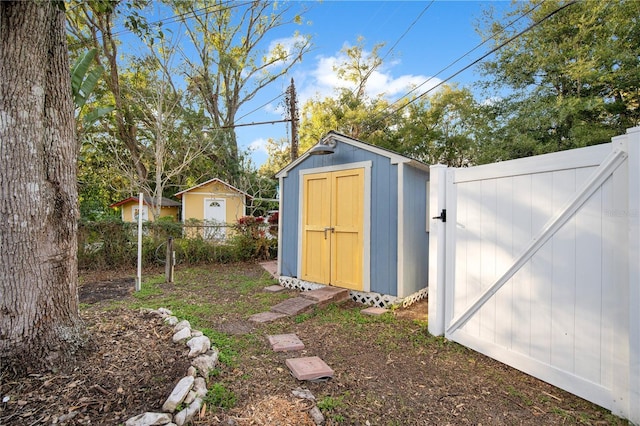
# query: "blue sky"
[421,39]
[434,38]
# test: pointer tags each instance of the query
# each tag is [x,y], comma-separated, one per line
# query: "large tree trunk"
[40,325]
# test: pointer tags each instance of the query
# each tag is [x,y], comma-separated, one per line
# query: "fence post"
[139,274]
[437,244]
[169,261]
[633,144]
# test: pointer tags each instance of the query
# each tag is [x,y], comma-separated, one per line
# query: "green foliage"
[105,244]
[254,239]
[149,288]
[330,405]
[279,156]
[112,243]
[83,82]
[568,82]
[441,128]
[227,345]
[220,396]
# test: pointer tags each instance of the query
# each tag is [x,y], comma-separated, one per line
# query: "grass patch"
[150,288]
[220,396]
[331,405]
[227,345]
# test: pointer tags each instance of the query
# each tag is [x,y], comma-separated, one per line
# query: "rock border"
[188,394]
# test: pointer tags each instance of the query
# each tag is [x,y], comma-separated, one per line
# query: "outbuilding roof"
[179,194]
[394,157]
[165,202]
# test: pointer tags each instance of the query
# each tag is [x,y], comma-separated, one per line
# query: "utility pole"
[292,106]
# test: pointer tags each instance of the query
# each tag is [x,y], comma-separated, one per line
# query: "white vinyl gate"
[536,263]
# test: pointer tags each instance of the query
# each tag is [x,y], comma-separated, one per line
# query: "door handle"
[328,228]
[443,215]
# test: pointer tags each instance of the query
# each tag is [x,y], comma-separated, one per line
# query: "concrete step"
[294,306]
[326,295]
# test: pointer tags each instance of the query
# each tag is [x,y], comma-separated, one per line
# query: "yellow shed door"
[332,238]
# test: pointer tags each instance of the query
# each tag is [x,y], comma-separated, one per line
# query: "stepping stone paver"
[326,295]
[309,368]
[294,306]
[374,311]
[285,342]
[263,317]
[274,288]
[271,267]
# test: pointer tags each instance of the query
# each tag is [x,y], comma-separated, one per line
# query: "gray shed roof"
[394,157]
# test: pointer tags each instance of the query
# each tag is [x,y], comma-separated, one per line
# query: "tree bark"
[40,325]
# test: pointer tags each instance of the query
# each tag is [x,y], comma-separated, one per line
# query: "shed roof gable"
[394,157]
[214,180]
[165,202]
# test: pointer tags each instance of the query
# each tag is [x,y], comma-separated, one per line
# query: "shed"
[129,208]
[357,219]
[214,201]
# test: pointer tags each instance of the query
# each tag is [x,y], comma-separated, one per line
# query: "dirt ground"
[387,371]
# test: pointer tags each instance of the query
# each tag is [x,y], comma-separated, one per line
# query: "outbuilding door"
[332,228]
[215,216]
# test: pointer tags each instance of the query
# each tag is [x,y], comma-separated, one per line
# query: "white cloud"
[322,80]
[259,144]
[491,101]
[288,44]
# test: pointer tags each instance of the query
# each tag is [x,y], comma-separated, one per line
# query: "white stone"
[317,416]
[165,311]
[182,324]
[206,363]
[200,387]
[183,334]
[191,396]
[185,416]
[192,371]
[198,345]
[172,321]
[178,394]
[196,333]
[303,394]
[149,419]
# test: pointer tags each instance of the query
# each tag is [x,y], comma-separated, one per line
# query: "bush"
[255,238]
[112,243]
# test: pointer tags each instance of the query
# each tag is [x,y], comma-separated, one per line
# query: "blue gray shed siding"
[415,236]
[384,240]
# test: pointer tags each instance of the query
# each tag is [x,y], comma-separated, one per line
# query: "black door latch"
[443,215]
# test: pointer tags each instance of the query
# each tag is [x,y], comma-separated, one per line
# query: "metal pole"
[139,276]
[170,260]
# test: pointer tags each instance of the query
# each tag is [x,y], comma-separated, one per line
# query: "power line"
[406,32]
[447,67]
[466,67]
[396,43]
[171,19]
[261,106]
[255,123]
[467,53]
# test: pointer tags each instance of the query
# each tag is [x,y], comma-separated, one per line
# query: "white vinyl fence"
[537,265]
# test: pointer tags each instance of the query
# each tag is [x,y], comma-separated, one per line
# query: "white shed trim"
[400,207]
[366,224]
[392,156]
